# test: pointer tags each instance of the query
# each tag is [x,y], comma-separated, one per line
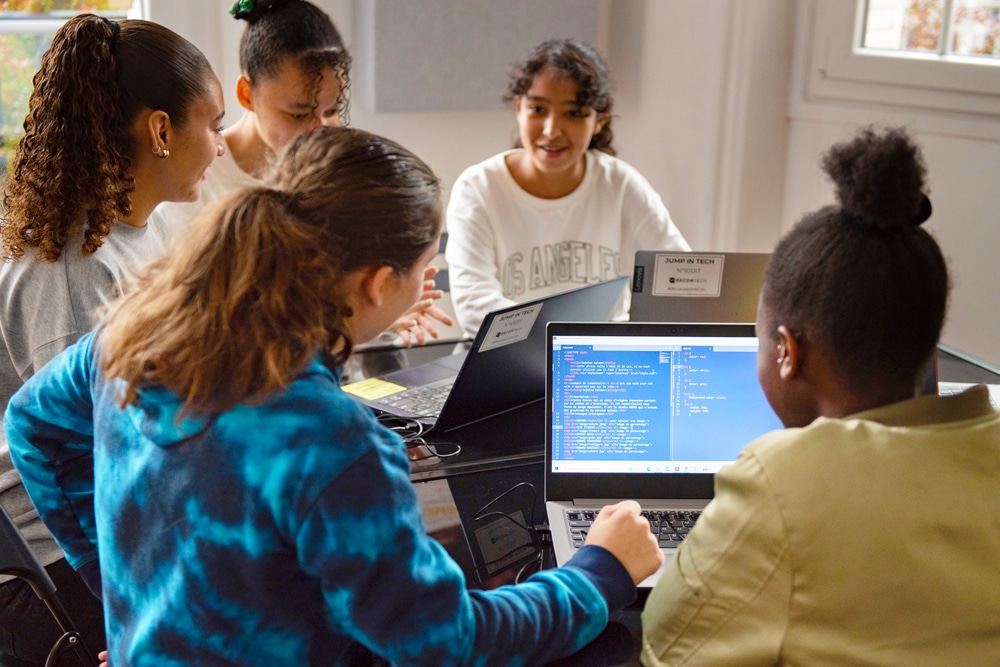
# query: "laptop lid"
[504,368]
[648,410]
[696,287]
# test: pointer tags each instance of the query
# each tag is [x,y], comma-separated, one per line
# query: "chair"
[17,559]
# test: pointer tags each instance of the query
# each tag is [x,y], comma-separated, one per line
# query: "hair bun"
[252,10]
[879,178]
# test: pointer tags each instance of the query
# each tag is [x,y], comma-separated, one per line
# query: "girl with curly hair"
[295,74]
[558,210]
[207,411]
[123,115]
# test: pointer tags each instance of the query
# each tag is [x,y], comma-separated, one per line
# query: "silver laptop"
[502,370]
[696,287]
[649,412]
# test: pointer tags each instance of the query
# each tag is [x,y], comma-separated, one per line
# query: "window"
[942,27]
[26,29]
[936,55]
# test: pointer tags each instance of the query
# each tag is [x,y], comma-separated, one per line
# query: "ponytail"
[74,164]
[242,307]
[243,302]
[73,160]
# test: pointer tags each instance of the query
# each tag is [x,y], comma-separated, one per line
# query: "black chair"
[17,559]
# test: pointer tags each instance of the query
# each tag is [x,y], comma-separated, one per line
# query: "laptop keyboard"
[423,401]
[670,526]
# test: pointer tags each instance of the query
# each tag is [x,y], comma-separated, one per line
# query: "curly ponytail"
[72,164]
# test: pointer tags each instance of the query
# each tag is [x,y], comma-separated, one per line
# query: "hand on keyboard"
[622,530]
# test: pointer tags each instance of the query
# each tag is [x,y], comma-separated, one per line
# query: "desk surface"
[517,438]
[492,550]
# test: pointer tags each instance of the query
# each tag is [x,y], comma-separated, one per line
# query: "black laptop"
[504,369]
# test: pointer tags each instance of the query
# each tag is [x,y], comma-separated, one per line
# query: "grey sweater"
[44,308]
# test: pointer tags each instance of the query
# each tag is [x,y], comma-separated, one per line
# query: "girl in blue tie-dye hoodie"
[244,508]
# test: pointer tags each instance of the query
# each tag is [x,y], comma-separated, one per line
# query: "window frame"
[842,70]
[17,23]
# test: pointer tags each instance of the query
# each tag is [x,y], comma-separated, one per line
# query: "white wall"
[712,108]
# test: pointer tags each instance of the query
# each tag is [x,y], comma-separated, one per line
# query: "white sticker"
[687,274]
[512,327]
[503,542]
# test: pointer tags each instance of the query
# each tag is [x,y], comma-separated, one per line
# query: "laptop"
[696,287]
[504,368]
[649,412]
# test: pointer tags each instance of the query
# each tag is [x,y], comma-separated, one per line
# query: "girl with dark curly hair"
[295,74]
[559,209]
[123,115]
[865,532]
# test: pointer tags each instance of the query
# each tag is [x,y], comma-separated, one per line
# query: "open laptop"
[503,369]
[696,287]
[649,412]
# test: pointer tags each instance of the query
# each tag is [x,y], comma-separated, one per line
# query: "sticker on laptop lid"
[687,274]
[510,328]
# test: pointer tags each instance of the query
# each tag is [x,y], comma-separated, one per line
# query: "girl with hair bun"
[295,74]
[865,532]
[287,530]
[558,210]
[123,115]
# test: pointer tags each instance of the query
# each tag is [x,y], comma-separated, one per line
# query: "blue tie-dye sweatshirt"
[272,534]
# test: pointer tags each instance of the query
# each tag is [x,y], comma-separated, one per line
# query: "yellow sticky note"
[372,389]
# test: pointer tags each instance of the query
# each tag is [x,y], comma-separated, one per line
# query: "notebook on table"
[649,412]
[696,287]
[504,368]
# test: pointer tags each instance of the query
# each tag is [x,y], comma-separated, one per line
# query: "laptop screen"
[628,399]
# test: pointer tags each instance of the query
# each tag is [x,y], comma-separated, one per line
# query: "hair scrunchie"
[241,9]
[925,212]
[249,10]
[115,28]
[868,223]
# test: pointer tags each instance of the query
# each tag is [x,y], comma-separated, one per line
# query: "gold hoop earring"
[161,152]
